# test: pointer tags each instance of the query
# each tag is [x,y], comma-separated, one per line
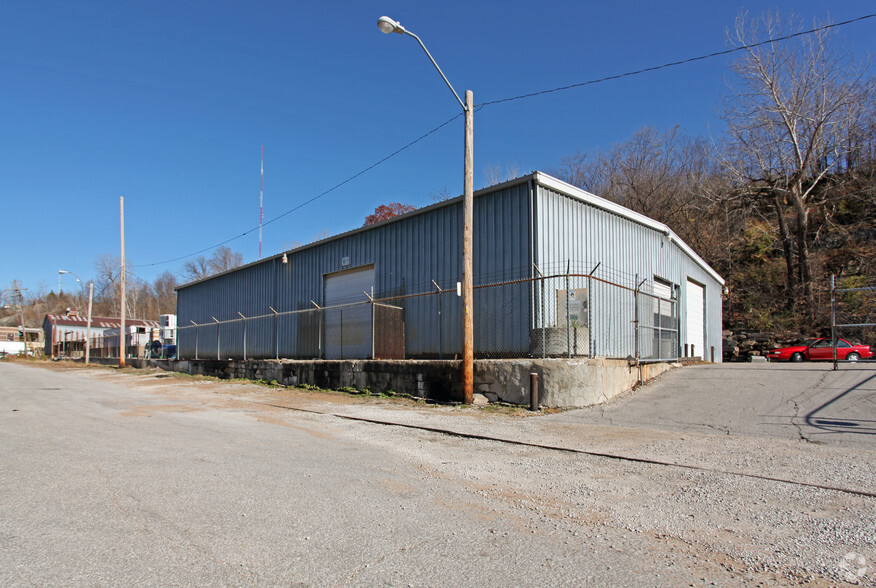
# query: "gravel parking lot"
[724,475]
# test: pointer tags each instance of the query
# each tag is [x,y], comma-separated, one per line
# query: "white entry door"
[696,338]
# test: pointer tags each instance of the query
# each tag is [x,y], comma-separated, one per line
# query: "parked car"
[821,349]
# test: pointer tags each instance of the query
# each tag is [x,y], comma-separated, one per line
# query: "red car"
[821,349]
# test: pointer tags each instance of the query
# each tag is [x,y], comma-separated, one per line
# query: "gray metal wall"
[533,219]
[571,231]
[408,253]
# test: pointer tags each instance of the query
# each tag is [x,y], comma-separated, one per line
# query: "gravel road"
[137,477]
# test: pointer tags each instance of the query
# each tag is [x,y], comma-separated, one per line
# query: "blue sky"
[169,103]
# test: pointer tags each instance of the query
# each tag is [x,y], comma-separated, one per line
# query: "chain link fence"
[571,313]
[853,318]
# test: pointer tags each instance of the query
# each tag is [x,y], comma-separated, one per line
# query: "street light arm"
[387,25]
[432,59]
[74,274]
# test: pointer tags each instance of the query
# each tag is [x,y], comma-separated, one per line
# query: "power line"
[676,63]
[112,281]
[306,202]
[511,99]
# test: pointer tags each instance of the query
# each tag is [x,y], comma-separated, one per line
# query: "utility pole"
[19,298]
[122,347]
[23,325]
[467,255]
[88,328]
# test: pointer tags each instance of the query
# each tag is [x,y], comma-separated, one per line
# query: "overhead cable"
[511,99]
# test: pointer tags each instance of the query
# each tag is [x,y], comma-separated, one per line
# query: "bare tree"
[664,175]
[196,268]
[588,172]
[440,195]
[138,296]
[495,173]
[164,289]
[106,289]
[789,118]
[224,259]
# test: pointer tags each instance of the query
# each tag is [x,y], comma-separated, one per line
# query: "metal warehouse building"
[558,272]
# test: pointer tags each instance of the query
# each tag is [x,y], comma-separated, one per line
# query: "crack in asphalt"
[603,415]
[684,424]
[613,456]
[796,426]
[724,430]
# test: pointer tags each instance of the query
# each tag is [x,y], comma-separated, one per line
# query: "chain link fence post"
[636,319]
[543,320]
[244,334]
[276,333]
[568,321]
[592,345]
[218,337]
[833,319]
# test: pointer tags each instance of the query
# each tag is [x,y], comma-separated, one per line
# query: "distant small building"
[168,329]
[12,342]
[66,334]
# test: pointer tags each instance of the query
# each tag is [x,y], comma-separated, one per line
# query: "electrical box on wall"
[345,262]
[574,306]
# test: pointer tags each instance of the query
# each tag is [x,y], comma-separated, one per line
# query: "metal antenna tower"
[261,199]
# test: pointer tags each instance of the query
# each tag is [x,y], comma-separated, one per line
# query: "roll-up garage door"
[348,329]
[696,339]
[662,289]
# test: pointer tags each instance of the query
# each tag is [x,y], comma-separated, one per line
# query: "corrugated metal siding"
[571,230]
[511,231]
[407,254]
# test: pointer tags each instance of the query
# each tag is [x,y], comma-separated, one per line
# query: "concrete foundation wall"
[564,383]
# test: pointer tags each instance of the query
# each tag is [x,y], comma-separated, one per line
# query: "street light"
[60,272]
[88,327]
[388,25]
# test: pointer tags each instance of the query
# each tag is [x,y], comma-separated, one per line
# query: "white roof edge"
[594,200]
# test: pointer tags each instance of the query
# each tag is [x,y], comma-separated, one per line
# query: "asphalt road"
[808,401]
[132,478]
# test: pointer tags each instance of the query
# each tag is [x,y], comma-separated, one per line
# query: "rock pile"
[743,345]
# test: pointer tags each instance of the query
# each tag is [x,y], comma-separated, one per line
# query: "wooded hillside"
[784,197]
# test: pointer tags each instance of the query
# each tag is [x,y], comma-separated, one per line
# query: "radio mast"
[261,199]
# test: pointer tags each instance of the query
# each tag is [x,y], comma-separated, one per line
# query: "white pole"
[88,328]
[122,348]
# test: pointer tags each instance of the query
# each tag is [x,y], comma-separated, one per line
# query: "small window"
[823,343]
[10,337]
[841,343]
